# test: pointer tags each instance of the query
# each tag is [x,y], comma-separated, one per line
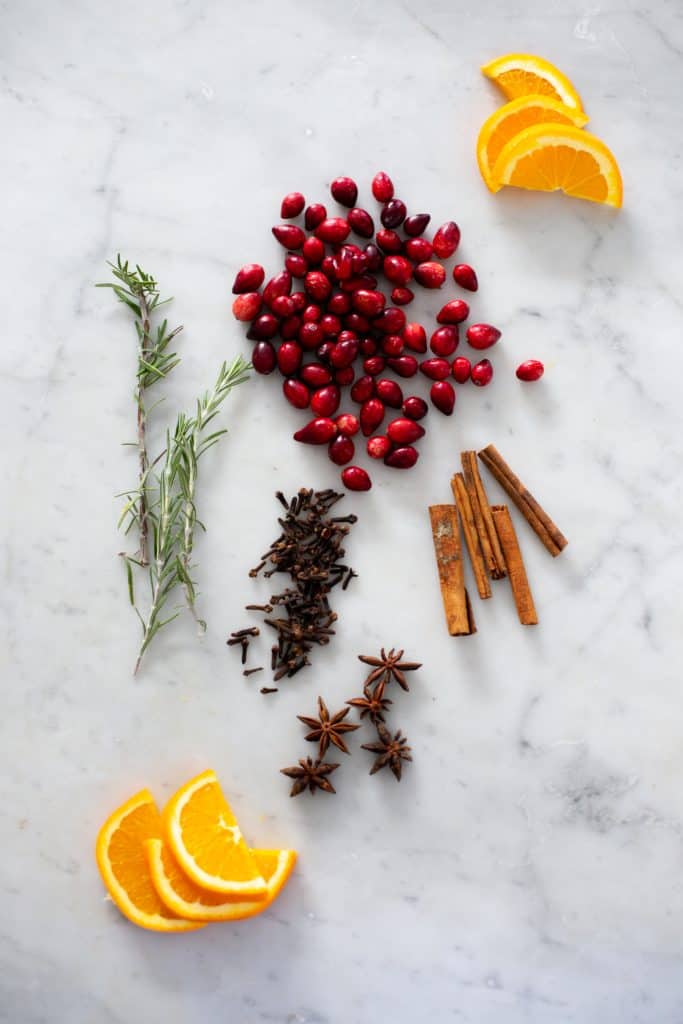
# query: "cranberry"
[382,187]
[442,394]
[289,356]
[482,373]
[368,346]
[356,479]
[279,285]
[404,431]
[390,321]
[365,282]
[398,269]
[374,365]
[323,351]
[315,214]
[418,249]
[361,222]
[289,235]
[356,321]
[446,239]
[415,408]
[482,335]
[363,389]
[402,458]
[464,275]
[530,370]
[317,285]
[430,274]
[299,299]
[317,431]
[341,450]
[245,307]
[392,345]
[461,368]
[312,314]
[263,328]
[344,353]
[292,205]
[371,415]
[290,327]
[296,264]
[344,190]
[369,303]
[344,375]
[360,263]
[339,303]
[404,366]
[402,296]
[393,213]
[331,325]
[389,241]
[416,224]
[444,341]
[454,312]
[316,375]
[329,268]
[263,357]
[314,251]
[310,335]
[249,278]
[343,265]
[325,401]
[347,424]
[436,369]
[389,392]
[282,306]
[415,337]
[373,256]
[378,447]
[296,393]
[334,230]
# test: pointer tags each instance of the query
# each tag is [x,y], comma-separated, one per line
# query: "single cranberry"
[279,285]
[442,394]
[339,303]
[363,389]
[347,424]
[388,241]
[464,275]
[356,479]
[392,345]
[360,263]
[415,408]
[368,303]
[245,307]
[316,375]
[331,325]
[402,458]
[378,447]
[373,256]
[382,187]
[283,306]
[404,366]
[289,235]
[482,335]
[344,190]
[436,369]
[356,321]
[317,431]
[328,267]
[249,278]
[389,392]
[325,401]
[296,264]
[300,299]
[374,365]
[344,353]
[292,205]
[371,415]
[263,357]
[263,328]
[398,269]
[416,224]
[317,285]
[310,335]
[347,335]
[344,376]
[446,239]
[430,274]
[461,368]
[361,222]
[454,312]
[314,251]
[312,314]
[419,250]
[393,213]
[334,230]
[296,393]
[341,450]
[404,431]
[482,373]
[444,340]
[289,328]
[368,347]
[315,214]
[343,264]
[415,337]
[530,370]
[364,282]
[289,356]
[390,321]
[402,296]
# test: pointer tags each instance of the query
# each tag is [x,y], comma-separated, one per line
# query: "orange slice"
[512,118]
[548,157]
[181,896]
[123,865]
[206,841]
[520,74]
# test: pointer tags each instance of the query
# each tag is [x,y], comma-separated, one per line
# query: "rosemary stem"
[143,457]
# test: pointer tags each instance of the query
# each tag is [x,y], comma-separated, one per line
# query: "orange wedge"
[548,157]
[123,865]
[520,74]
[181,896]
[512,118]
[206,841]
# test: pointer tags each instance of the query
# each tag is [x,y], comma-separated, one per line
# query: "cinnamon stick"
[469,529]
[539,520]
[488,538]
[516,571]
[456,602]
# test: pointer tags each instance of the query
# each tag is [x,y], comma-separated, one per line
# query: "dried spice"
[326,728]
[389,666]
[391,751]
[373,702]
[311,775]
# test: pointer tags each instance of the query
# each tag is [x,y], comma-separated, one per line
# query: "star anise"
[389,666]
[373,703]
[391,751]
[311,775]
[326,729]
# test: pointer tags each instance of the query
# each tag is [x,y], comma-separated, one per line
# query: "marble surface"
[529,866]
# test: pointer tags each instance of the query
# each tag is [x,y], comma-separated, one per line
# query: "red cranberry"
[361,222]
[402,458]
[419,250]
[482,373]
[398,269]
[430,274]
[415,408]
[347,335]
[373,256]
[347,424]
[296,264]
[382,187]
[310,335]
[393,213]
[339,303]
[464,275]
[389,241]
[344,190]
[378,447]
[444,341]
[263,328]
[360,263]
[416,224]
[317,285]
[374,365]
[314,251]
[324,351]
[404,431]
[392,345]
[292,205]
[341,450]
[530,370]
[316,375]
[283,306]
[402,296]
[331,325]
[334,230]
[289,235]
[368,347]
[344,376]
[290,327]
[389,392]
[369,303]
[325,401]
[461,368]
[482,335]
[317,431]
[328,267]
[363,389]
[415,337]
[315,214]
[279,285]
[371,415]
[343,265]
[454,312]
[436,369]
[249,278]
[245,307]
[404,366]
[442,395]
[299,299]
[356,479]
[296,393]
[365,282]
[446,239]
[289,356]
[312,314]
[390,321]
[344,353]
[356,321]
[263,357]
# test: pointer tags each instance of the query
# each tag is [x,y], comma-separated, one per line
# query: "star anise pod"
[389,666]
[310,774]
[391,750]
[326,729]
[373,703]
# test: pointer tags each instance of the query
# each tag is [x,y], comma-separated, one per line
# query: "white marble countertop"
[528,867]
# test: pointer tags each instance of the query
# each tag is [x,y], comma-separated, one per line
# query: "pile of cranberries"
[339,319]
